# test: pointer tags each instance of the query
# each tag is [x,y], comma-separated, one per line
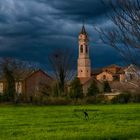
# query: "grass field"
[106,122]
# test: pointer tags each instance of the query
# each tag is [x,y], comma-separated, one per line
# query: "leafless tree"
[62,64]
[8,78]
[125,34]
[12,71]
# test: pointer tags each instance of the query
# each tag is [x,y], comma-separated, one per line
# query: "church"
[112,73]
[84,64]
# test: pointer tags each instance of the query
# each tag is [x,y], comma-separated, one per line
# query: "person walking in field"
[86,115]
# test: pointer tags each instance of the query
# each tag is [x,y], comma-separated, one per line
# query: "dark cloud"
[30,29]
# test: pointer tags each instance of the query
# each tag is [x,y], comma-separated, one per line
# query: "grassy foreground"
[106,122]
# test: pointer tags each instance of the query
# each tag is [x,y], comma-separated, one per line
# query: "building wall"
[35,83]
[131,76]
[31,86]
[132,73]
[88,83]
[104,76]
[85,88]
[122,77]
[111,69]
[18,87]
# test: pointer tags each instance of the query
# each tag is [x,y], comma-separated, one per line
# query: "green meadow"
[106,122]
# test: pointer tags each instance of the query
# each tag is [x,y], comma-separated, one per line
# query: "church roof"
[26,74]
[85,81]
[112,66]
[96,71]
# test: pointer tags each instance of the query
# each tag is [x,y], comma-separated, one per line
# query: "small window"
[81,49]
[131,76]
[104,77]
[1,88]
[18,87]
[86,49]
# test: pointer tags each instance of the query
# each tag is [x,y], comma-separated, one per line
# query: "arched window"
[104,77]
[81,48]
[86,49]
[1,88]
[131,76]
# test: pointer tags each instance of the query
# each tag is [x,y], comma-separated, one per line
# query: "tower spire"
[83,30]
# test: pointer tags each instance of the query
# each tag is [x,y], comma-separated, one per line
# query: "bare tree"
[125,34]
[63,66]
[12,71]
[8,77]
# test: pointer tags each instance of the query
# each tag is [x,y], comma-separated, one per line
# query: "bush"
[76,90]
[55,90]
[126,97]
[106,86]
[135,98]
[99,99]
[93,89]
[4,98]
[91,100]
[56,101]
[121,98]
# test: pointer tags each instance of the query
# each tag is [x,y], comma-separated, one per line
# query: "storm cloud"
[30,29]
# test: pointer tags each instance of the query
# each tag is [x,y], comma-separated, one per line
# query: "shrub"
[76,90]
[55,90]
[122,98]
[56,101]
[91,100]
[127,97]
[106,86]
[93,89]
[1,98]
[99,99]
[4,98]
[135,97]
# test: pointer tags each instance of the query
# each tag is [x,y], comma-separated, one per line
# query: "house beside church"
[132,73]
[111,73]
[30,83]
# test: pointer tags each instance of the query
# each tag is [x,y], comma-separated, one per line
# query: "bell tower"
[84,67]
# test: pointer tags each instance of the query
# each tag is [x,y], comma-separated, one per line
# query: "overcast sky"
[30,29]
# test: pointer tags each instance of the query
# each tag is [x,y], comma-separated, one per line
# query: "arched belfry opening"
[81,49]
